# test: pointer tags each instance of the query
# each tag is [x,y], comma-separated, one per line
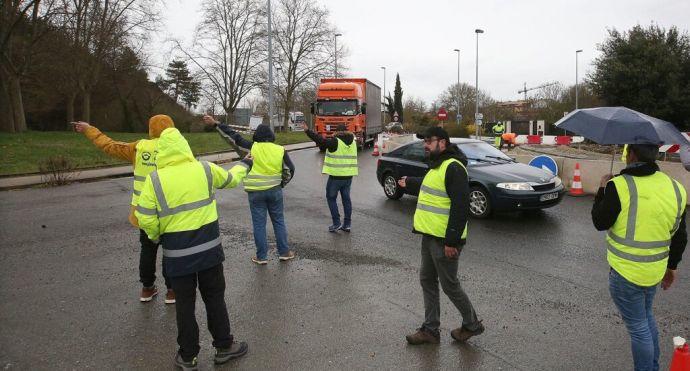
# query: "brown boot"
[170,297]
[423,336]
[147,294]
[462,333]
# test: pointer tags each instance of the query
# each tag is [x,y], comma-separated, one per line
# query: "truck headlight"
[557,182]
[515,186]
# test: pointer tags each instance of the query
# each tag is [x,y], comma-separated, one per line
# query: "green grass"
[22,153]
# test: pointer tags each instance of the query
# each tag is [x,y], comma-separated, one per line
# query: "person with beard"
[340,163]
[441,219]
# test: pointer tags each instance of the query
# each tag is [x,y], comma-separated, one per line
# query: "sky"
[524,41]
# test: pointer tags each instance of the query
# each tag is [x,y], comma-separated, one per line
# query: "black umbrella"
[620,125]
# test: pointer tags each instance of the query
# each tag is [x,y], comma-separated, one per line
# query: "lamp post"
[278,100]
[384,88]
[457,113]
[576,78]
[336,54]
[476,84]
[270,68]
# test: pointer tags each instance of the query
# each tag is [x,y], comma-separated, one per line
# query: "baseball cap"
[434,131]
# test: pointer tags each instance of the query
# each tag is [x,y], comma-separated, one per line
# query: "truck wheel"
[480,202]
[391,188]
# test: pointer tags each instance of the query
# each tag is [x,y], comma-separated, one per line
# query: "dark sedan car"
[497,182]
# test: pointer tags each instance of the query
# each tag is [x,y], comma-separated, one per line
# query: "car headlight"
[557,182]
[515,186]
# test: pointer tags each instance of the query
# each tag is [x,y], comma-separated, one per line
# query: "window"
[415,152]
[337,108]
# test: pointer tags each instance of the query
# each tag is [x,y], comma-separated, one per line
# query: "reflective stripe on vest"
[144,164]
[639,241]
[267,170]
[191,250]
[342,162]
[433,204]
[162,202]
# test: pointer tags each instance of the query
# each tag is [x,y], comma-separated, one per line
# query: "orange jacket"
[127,151]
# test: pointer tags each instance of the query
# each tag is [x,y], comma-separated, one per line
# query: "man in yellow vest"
[340,163]
[643,210]
[498,130]
[441,219]
[264,187]
[142,155]
[177,207]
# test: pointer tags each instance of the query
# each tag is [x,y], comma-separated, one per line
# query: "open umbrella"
[620,125]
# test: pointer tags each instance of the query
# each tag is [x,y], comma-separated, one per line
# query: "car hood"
[512,172]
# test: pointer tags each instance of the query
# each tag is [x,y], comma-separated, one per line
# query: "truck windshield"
[336,108]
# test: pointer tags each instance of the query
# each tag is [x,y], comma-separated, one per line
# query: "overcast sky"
[532,41]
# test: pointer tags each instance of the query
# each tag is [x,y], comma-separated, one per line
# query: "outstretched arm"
[122,150]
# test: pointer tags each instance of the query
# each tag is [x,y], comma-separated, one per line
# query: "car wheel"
[391,188]
[480,202]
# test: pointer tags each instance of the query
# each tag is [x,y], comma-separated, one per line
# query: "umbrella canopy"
[620,125]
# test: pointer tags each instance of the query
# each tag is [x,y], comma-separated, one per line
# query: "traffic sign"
[545,163]
[458,117]
[479,122]
[442,114]
[479,116]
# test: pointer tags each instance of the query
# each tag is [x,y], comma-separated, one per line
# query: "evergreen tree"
[178,78]
[397,98]
[191,94]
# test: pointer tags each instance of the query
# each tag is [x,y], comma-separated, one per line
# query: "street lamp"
[476,85]
[270,68]
[278,88]
[336,53]
[384,87]
[457,113]
[576,78]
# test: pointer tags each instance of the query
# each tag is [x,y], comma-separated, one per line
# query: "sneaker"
[170,297]
[346,227]
[259,261]
[191,365]
[334,228]
[287,256]
[462,333]
[147,293]
[236,350]
[423,336]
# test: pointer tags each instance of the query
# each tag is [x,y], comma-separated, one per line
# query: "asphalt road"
[69,286]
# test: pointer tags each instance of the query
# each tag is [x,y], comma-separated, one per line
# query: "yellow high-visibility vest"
[144,164]
[267,171]
[342,162]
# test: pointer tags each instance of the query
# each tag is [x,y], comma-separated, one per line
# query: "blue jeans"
[635,305]
[333,186]
[260,203]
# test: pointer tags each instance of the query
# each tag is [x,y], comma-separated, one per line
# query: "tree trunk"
[286,118]
[16,104]
[86,106]
[6,117]
[69,107]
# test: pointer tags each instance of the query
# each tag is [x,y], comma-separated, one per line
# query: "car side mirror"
[364,108]
[311,108]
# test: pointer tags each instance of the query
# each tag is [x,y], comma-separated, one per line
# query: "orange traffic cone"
[376,150]
[681,356]
[576,187]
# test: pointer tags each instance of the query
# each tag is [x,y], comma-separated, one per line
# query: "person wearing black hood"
[441,219]
[643,210]
[263,185]
[340,163]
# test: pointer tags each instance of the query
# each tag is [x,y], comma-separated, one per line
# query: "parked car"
[497,182]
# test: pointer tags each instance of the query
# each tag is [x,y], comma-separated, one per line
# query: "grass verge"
[22,153]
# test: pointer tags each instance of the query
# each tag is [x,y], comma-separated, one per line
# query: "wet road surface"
[69,286]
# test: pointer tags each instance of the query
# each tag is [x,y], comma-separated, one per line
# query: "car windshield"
[336,108]
[484,153]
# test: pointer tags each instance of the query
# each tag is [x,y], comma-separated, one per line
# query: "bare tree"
[227,50]
[304,40]
[22,24]
[97,29]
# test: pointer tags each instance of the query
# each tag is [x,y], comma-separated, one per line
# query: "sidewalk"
[123,170]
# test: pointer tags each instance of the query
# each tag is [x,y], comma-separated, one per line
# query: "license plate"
[548,197]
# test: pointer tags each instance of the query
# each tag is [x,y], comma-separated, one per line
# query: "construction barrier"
[533,139]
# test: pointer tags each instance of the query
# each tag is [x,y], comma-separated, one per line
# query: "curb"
[27,181]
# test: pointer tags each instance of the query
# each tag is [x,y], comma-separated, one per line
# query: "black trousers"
[147,261]
[212,288]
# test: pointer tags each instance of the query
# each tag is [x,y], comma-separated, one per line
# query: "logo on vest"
[148,158]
